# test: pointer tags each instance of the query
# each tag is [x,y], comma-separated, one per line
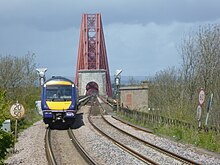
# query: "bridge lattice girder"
[92,51]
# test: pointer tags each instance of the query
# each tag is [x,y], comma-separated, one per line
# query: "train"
[59,101]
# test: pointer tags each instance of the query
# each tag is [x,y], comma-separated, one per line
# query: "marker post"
[209,107]
[199,108]
[17,111]
[117,84]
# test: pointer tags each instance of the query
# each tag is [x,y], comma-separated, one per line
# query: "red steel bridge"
[92,71]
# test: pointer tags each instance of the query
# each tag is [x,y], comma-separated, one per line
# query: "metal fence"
[157,120]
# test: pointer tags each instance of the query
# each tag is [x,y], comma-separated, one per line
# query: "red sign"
[201,96]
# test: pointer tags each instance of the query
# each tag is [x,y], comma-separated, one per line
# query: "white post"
[209,107]
[117,83]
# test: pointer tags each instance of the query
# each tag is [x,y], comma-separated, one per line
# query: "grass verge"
[206,140]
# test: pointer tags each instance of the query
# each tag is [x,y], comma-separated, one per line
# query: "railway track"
[54,150]
[48,148]
[80,149]
[134,145]
[124,147]
[171,154]
[132,125]
[131,144]
[121,145]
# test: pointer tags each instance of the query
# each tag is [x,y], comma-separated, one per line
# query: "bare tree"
[165,92]
[17,72]
[190,59]
[17,75]
[201,63]
[176,92]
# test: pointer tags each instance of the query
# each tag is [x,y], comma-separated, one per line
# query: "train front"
[59,101]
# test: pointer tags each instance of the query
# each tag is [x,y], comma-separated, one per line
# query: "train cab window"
[58,93]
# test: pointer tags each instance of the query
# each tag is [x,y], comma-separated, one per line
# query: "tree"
[175,91]
[201,63]
[17,82]
[165,91]
[4,107]
[190,60]
[18,76]
[17,72]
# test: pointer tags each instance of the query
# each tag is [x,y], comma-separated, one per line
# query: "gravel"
[30,147]
[101,149]
[185,150]
[133,143]
[64,150]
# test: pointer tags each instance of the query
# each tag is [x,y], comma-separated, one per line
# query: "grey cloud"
[138,33]
[57,15]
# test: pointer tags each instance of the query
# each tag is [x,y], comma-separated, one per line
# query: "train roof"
[59,78]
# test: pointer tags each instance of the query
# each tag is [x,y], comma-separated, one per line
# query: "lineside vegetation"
[173,92]
[17,83]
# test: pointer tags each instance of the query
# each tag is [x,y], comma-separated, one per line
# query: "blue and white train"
[59,101]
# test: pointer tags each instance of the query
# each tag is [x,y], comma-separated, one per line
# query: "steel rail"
[132,125]
[122,146]
[125,122]
[48,148]
[80,149]
[162,150]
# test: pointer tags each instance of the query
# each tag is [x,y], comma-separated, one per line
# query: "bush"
[6,141]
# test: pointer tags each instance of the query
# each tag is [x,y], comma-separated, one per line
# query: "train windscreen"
[58,93]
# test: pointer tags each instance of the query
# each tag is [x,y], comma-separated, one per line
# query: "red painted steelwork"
[92,51]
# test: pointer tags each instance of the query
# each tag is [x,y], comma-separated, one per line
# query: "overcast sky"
[141,36]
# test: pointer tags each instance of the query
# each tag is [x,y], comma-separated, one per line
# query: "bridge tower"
[92,72]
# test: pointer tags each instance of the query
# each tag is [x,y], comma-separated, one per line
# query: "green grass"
[207,140]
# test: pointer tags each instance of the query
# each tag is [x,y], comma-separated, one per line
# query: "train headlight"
[69,114]
[48,114]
